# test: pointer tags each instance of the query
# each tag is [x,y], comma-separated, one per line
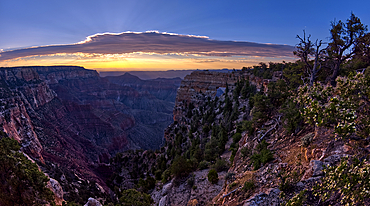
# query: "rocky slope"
[23,92]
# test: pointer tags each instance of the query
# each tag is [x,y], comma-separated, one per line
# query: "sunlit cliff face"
[149,51]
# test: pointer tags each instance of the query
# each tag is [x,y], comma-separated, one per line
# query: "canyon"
[70,117]
[98,136]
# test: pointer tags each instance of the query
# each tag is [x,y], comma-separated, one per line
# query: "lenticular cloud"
[155,42]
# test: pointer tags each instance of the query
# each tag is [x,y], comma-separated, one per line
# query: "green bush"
[158,174]
[206,129]
[166,175]
[220,165]
[298,199]
[236,137]
[212,176]
[146,185]
[262,156]
[248,186]
[230,176]
[344,108]
[245,152]
[262,109]
[233,153]
[292,118]
[212,150]
[248,127]
[203,165]
[180,167]
[133,197]
[277,92]
[232,185]
[287,183]
[248,90]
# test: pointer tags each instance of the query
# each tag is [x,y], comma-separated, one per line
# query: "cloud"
[155,42]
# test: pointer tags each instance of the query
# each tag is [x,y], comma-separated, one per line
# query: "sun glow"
[139,61]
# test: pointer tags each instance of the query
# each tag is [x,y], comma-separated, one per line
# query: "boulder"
[317,168]
[93,202]
[332,160]
[268,198]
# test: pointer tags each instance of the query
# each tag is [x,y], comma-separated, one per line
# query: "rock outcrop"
[93,202]
[200,85]
[181,193]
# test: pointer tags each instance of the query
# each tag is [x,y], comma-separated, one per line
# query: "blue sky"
[26,23]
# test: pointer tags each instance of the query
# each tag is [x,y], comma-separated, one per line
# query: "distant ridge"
[161,88]
[145,75]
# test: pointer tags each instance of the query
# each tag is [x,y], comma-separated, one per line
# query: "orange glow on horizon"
[139,61]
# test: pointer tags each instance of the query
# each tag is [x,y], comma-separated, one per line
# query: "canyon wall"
[70,117]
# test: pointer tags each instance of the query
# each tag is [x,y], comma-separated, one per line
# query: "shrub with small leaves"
[345,108]
[220,165]
[307,139]
[262,156]
[212,176]
[248,186]
[298,199]
[245,152]
[233,185]
[134,197]
[203,165]
[349,180]
[236,137]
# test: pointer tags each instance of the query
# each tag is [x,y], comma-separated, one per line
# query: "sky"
[128,35]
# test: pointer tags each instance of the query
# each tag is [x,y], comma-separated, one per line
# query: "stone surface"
[93,202]
[166,188]
[332,160]
[268,198]
[181,193]
[300,184]
[163,201]
[317,167]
